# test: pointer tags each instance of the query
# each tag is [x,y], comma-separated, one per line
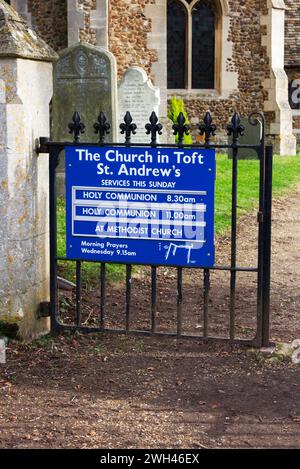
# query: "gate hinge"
[44,310]
[260,217]
[41,145]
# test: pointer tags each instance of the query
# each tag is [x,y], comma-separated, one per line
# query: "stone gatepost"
[25,93]
[277,102]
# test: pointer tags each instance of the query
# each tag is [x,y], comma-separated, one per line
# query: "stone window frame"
[226,81]
[188,7]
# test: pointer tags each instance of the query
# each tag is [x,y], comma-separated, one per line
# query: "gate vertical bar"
[78,293]
[254,119]
[235,129]
[208,129]
[267,233]
[102,294]
[153,128]
[179,301]
[53,163]
[128,294]
[233,243]
[206,282]
[153,298]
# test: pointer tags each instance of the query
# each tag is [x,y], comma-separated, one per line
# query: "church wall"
[132,41]
[292,33]
[87,33]
[127,33]
[292,52]
[49,20]
[296,125]
[128,21]
[249,60]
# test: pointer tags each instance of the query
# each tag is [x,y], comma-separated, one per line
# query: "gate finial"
[128,128]
[181,129]
[153,128]
[207,128]
[76,127]
[235,128]
[102,127]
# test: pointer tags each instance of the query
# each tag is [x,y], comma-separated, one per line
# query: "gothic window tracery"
[191,27]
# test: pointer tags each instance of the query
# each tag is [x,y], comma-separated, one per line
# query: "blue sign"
[141,205]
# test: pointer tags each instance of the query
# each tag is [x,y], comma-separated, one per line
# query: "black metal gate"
[261,270]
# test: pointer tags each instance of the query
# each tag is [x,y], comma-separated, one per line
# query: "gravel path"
[118,392]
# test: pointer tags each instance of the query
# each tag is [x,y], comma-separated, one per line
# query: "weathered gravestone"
[85,80]
[252,136]
[138,96]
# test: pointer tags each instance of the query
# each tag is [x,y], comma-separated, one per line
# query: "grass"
[90,270]
[286,172]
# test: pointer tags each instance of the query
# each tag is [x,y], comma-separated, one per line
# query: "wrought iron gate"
[261,270]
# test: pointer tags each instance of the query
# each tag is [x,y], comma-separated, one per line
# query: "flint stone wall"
[134,40]
[49,20]
[292,31]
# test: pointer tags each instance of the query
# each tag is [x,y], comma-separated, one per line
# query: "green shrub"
[175,108]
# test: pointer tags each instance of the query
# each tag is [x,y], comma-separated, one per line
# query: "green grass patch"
[286,172]
[90,270]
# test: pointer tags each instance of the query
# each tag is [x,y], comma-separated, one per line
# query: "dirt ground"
[103,391]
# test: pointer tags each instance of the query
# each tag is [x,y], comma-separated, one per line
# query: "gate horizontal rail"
[262,270]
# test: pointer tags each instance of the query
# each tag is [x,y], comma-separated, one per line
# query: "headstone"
[252,136]
[85,80]
[138,96]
